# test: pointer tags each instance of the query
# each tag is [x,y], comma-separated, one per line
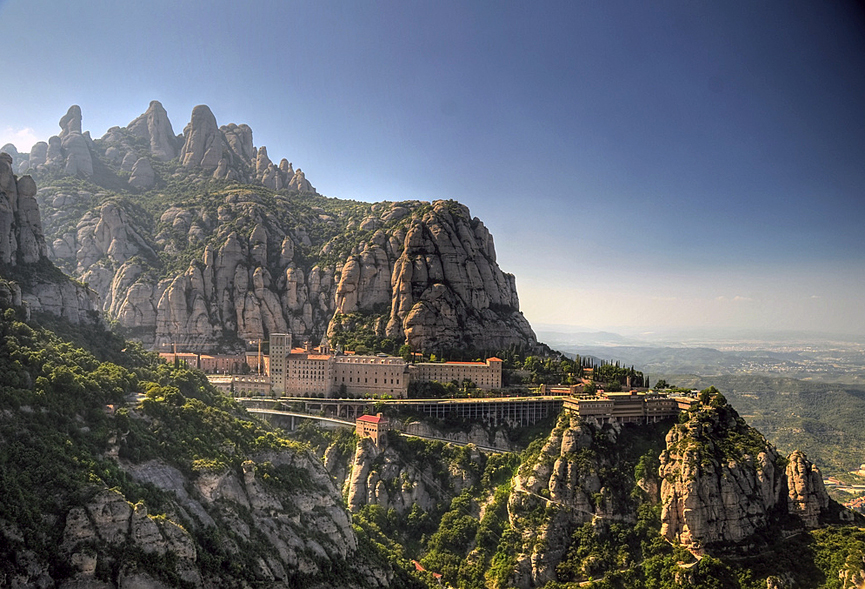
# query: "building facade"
[378,376]
[486,375]
[373,427]
[630,407]
[307,374]
[280,347]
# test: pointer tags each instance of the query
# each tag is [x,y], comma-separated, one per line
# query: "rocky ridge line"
[425,274]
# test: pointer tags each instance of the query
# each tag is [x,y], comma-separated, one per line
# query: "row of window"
[366,380]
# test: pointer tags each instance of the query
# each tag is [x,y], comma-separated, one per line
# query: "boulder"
[142,175]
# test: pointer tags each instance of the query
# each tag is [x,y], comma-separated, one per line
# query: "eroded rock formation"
[22,245]
[567,482]
[722,482]
[21,237]
[447,290]
[256,263]
[153,126]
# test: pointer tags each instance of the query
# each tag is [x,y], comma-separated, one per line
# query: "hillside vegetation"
[116,469]
[581,503]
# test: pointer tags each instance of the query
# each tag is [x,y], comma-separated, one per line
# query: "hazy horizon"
[691,166]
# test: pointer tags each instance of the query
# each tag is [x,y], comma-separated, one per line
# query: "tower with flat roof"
[280,346]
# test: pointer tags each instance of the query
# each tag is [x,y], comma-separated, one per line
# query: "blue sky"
[641,165]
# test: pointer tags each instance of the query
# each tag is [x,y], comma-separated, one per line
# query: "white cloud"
[741,298]
[22,139]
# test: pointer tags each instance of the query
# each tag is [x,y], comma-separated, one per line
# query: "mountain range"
[200,240]
[117,470]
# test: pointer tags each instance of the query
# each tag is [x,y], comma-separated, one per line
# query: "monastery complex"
[305,372]
[320,373]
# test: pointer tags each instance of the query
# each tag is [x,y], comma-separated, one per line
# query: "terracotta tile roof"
[371,418]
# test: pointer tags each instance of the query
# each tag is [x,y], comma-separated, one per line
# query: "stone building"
[280,347]
[307,373]
[486,375]
[372,426]
[628,407]
[371,375]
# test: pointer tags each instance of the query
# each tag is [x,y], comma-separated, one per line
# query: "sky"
[670,164]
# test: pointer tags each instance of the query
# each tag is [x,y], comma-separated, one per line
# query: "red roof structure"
[371,418]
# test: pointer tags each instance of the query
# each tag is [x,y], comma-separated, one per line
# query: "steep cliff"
[393,478]
[201,240]
[23,254]
[586,481]
[724,484]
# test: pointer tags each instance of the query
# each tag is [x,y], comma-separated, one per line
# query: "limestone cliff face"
[299,534]
[722,482]
[22,246]
[257,257]
[568,481]
[447,289]
[392,480]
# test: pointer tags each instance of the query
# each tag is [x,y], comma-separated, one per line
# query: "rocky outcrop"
[806,495]
[283,520]
[64,298]
[448,291]
[723,483]
[385,477]
[203,146]
[109,519]
[20,162]
[299,533]
[74,145]
[21,237]
[565,481]
[142,175]
[22,244]
[153,126]
[108,235]
[68,153]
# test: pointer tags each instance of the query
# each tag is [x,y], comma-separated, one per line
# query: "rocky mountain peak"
[154,126]
[71,121]
[203,144]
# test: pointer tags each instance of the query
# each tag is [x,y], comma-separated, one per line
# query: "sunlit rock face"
[256,261]
[723,483]
[154,127]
